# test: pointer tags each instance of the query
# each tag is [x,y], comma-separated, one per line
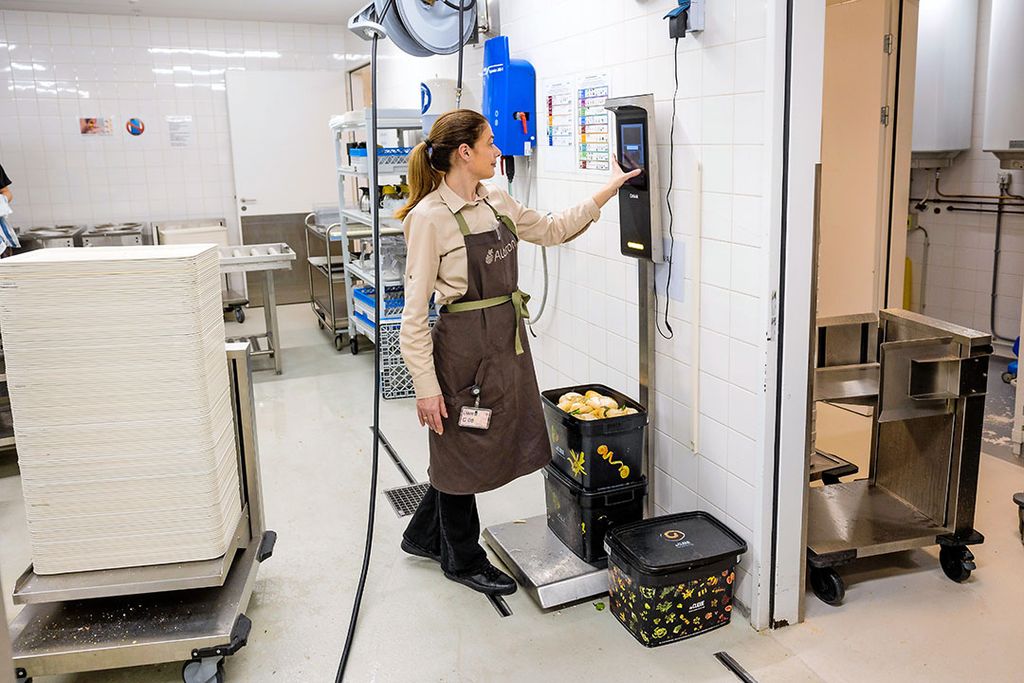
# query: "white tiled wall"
[961,257]
[55,68]
[589,332]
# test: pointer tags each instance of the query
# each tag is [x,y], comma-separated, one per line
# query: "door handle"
[247,201]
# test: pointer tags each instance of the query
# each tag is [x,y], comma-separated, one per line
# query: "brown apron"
[481,341]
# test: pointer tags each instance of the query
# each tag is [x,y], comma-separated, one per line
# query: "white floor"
[903,620]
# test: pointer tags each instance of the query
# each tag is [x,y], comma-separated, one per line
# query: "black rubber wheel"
[827,585]
[957,562]
[354,346]
[1008,377]
[339,342]
[240,315]
[185,669]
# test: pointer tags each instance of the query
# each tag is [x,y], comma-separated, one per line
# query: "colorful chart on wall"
[558,138]
[95,126]
[593,137]
[135,127]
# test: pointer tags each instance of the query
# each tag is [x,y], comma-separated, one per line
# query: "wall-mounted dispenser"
[639,199]
[686,18]
[510,100]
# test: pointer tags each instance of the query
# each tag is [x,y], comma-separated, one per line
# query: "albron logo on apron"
[498,255]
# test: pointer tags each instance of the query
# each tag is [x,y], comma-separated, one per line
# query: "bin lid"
[671,543]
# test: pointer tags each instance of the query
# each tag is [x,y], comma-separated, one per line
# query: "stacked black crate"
[595,479]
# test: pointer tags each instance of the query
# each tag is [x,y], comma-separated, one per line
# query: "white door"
[280,141]
[284,162]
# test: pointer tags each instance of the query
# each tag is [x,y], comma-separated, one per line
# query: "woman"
[473,374]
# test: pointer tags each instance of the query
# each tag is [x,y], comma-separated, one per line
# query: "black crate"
[598,453]
[672,577]
[580,518]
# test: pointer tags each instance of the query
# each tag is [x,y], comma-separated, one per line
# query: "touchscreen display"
[632,145]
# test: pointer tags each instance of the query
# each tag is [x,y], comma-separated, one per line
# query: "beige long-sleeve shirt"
[436,260]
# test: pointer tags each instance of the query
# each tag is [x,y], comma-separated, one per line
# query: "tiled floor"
[903,620]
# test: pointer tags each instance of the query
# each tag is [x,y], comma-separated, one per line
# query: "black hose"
[462,43]
[371,514]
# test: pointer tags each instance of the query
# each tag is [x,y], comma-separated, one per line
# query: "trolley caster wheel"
[957,562]
[240,315]
[1018,498]
[339,342]
[1008,377]
[354,346]
[320,323]
[827,585]
[21,676]
[203,671]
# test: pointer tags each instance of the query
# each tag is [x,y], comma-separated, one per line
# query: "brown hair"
[432,158]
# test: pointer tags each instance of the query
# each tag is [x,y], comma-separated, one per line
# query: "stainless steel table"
[267,258]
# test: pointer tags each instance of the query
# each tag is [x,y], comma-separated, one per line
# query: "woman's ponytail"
[432,158]
[423,178]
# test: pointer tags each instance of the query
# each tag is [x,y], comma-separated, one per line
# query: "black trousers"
[449,525]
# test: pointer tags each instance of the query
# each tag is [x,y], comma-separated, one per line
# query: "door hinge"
[887,41]
[885,115]
[773,324]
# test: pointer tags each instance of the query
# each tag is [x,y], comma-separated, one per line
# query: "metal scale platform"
[189,612]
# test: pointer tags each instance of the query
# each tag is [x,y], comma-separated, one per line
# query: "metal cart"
[191,612]
[926,380]
[249,258]
[327,268]
[355,223]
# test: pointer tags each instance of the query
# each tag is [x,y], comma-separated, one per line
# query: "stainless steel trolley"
[191,612]
[926,380]
[248,258]
[327,268]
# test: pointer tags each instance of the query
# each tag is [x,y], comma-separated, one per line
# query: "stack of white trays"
[121,404]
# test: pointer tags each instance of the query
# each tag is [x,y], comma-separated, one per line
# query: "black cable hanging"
[668,203]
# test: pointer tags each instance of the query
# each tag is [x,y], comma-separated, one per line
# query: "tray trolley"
[326,272]
[926,380]
[190,612]
[268,258]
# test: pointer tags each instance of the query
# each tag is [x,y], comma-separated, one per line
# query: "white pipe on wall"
[695,315]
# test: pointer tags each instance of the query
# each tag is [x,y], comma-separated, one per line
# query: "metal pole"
[648,313]
[6,657]
[270,313]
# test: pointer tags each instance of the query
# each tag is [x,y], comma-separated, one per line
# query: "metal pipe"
[1004,193]
[954,209]
[980,202]
[1003,186]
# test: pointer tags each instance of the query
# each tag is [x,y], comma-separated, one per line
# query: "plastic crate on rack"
[392,305]
[396,382]
[389,159]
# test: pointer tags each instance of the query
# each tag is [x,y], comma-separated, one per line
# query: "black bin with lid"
[672,577]
[598,453]
[580,518]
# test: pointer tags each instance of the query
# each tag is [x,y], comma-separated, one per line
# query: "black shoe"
[413,549]
[488,579]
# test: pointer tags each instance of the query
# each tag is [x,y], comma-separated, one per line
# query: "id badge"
[475,418]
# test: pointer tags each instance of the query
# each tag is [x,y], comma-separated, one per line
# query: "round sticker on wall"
[135,126]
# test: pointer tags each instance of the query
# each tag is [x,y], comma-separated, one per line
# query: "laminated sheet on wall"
[121,403]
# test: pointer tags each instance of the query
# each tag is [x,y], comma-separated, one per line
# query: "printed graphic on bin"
[596,434]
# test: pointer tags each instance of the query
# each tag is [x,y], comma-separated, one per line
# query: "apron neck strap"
[464,227]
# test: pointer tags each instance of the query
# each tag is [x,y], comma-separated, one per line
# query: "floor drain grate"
[405,499]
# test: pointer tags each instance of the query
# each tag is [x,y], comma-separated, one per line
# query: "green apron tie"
[519,299]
